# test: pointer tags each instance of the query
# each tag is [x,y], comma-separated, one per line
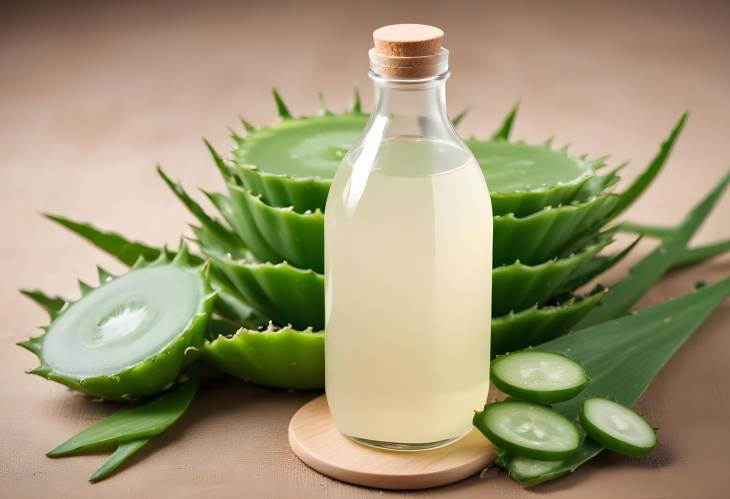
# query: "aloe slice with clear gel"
[617,427]
[541,377]
[528,430]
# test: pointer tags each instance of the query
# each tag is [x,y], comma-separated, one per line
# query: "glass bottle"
[408,254]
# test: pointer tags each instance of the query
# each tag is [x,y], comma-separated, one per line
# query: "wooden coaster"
[318,443]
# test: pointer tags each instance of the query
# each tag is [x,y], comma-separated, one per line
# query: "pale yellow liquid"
[408,294]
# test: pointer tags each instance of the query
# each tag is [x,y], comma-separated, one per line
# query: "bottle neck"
[414,108]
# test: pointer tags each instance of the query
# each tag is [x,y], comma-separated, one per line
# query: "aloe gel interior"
[408,257]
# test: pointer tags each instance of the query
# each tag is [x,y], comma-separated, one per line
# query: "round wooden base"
[316,441]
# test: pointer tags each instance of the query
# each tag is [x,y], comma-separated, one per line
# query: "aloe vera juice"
[408,238]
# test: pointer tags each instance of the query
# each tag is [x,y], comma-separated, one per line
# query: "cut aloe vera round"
[276,357]
[617,427]
[543,235]
[533,326]
[289,295]
[524,178]
[278,234]
[292,164]
[280,292]
[528,430]
[131,336]
[518,286]
[281,234]
[541,377]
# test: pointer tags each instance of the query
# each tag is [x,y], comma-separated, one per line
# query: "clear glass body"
[408,259]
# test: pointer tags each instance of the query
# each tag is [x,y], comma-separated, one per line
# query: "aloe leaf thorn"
[247,125]
[281,106]
[505,129]
[323,109]
[357,101]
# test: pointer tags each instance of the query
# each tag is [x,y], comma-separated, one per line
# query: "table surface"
[92,95]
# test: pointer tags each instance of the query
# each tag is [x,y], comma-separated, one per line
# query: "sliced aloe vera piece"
[540,377]
[538,237]
[273,357]
[284,294]
[517,286]
[131,336]
[623,355]
[292,163]
[528,430]
[524,178]
[535,325]
[288,295]
[280,234]
[617,427]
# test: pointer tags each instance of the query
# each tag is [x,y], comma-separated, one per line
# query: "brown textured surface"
[93,94]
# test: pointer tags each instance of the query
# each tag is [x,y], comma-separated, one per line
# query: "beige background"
[92,94]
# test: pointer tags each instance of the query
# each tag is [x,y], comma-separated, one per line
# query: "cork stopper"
[408,51]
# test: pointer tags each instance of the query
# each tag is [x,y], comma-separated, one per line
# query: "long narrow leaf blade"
[141,421]
[124,451]
[701,253]
[225,237]
[622,357]
[644,274]
[658,231]
[128,252]
[505,129]
[643,181]
[51,304]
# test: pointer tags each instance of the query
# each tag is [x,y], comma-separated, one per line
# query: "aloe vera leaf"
[51,304]
[124,451]
[289,295]
[535,325]
[517,286]
[145,420]
[594,268]
[622,357]
[280,292]
[128,252]
[505,129]
[692,256]
[224,237]
[278,234]
[658,231]
[222,204]
[538,237]
[273,357]
[223,168]
[640,184]
[645,273]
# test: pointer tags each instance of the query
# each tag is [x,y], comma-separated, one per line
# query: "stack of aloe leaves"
[262,253]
